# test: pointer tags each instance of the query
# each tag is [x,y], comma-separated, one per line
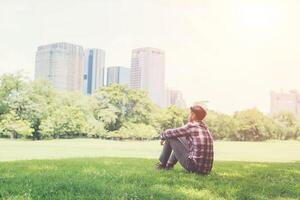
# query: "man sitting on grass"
[191,145]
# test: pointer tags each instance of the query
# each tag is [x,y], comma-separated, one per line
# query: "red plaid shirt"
[200,144]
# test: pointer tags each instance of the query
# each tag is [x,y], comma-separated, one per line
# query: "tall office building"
[94,69]
[148,73]
[282,101]
[61,64]
[175,97]
[117,75]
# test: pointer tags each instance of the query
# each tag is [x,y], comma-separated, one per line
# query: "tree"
[172,117]
[31,103]
[67,117]
[34,109]
[42,95]
[9,83]
[96,129]
[289,125]
[118,104]
[134,131]
[67,121]
[252,125]
[14,127]
[220,125]
[105,112]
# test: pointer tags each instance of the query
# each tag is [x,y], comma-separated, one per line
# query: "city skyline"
[231,53]
[54,60]
[71,68]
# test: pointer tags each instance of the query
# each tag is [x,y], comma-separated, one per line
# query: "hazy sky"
[228,52]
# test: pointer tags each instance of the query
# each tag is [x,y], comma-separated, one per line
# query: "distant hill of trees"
[35,110]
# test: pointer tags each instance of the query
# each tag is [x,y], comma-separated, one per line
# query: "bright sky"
[228,52]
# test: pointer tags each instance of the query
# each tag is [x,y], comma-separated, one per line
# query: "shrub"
[96,129]
[134,131]
[12,126]
[253,125]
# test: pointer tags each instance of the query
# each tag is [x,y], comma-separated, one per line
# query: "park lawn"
[136,178]
[270,151]
[243,170]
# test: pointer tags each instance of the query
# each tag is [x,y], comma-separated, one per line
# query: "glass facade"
[148,73]
[94,67]
[118,75]
[61,64]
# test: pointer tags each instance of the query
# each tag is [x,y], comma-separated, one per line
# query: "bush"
[12,126]
[171,117]
[253,125]
[220,125]
[65,122]
[134,131]
[96,129]
[289,125]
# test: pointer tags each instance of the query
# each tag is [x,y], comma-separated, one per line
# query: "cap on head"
[199,112]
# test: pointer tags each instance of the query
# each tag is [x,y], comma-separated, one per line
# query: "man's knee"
[171,139]
[173,142]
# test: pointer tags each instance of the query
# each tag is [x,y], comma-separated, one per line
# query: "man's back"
[201,147]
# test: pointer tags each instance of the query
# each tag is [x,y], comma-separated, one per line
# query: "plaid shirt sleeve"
[176,132]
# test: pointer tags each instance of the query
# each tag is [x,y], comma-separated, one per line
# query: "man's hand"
[162,140]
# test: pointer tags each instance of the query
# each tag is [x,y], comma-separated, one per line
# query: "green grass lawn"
[273,173]
[271,151]
[132,178]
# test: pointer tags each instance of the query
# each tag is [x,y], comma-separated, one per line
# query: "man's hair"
[199,112]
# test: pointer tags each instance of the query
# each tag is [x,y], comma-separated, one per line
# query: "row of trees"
[253,125]
[35,110]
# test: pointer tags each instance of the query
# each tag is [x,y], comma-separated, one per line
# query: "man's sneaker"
[160,166]
[169,166]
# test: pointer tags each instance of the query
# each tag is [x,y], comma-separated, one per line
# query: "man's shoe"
[160,166]
[169,166]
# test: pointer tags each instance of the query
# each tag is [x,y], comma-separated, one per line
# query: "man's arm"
[176,132]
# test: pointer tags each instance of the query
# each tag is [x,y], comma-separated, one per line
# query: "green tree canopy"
[118,104]
[253,125]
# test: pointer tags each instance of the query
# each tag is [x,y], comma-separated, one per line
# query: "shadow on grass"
[128,178]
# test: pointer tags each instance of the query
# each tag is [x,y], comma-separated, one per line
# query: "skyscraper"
[61,64]
[94,66]
[118,75]
[285,102]
[148,73]
[175,97]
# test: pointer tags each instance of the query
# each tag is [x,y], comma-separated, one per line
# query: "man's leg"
[180,150]
[165,154]
[173,160]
